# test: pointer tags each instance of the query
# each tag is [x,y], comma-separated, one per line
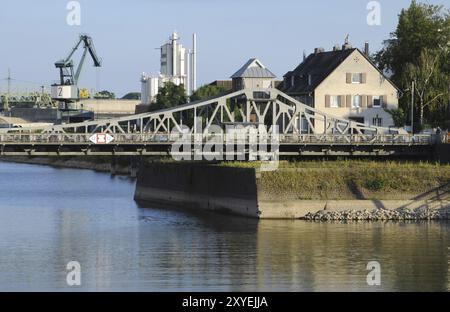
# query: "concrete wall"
[204,187]
[442,153]
[252,83]
[198,186]
[376,84]
[109,107]
[255,83]
[46,115]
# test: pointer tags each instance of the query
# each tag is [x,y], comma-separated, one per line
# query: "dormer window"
[356,78]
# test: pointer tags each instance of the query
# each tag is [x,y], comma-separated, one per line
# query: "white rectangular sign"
[101,138]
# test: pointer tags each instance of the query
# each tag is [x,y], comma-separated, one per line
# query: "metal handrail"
[132,138]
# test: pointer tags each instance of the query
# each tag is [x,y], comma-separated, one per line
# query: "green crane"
[67,89]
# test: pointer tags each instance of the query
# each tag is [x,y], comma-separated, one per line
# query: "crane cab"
[64,92]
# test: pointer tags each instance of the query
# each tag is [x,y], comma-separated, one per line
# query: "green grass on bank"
[345,179]
[352,180]
[344,163]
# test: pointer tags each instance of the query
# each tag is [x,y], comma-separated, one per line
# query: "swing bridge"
[297,129]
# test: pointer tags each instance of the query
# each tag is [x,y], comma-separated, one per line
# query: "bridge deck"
[161,144]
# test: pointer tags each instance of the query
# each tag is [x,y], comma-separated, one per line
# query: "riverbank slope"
[299,189]
[117,165]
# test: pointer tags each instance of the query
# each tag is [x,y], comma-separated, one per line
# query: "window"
[292,81]
[356,101]
[357,78]
[377,101]
[309,80]
[261,95]
[335,101]
[377,121]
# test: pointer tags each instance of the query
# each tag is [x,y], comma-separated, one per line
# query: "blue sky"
[34,34]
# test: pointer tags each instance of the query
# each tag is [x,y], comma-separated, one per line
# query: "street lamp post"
[412,106]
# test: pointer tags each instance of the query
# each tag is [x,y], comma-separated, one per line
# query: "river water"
[49,217]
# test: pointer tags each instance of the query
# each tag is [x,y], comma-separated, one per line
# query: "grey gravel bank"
[381,214]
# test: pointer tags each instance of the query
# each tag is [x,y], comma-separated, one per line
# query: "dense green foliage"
[170,95]
[132,96]
[418,50]
[105,94]
[206,91]
[398,115]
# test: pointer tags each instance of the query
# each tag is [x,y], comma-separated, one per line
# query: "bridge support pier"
[442,153]
[128,165]
[134,165]
[113,168]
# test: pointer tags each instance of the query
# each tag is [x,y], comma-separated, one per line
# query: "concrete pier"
[442,153]
[199,187]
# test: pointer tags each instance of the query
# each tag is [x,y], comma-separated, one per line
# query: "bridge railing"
[144,138]
[355,139]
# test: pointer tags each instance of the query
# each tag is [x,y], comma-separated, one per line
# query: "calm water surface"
[50,216]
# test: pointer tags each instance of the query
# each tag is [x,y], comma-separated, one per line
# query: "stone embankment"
[119,166]
[380,214]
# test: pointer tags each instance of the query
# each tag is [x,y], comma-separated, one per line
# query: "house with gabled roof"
[253,75]
[345,83]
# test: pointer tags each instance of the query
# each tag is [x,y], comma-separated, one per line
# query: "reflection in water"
[49,217]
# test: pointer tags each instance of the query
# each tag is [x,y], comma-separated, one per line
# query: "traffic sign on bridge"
[101,138]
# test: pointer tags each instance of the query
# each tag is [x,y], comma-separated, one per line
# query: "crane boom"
[88,47]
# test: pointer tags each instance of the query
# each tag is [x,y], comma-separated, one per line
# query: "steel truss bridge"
[302,130]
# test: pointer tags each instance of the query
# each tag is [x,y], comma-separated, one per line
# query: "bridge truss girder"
[270,107]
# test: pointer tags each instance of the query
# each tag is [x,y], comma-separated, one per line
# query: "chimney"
[319,50]
[366,49]
[347,45]
[337,47]
[194,63]
[188,72]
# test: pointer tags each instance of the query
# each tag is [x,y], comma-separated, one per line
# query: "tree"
[105,94]
[416,52]
[419,27]
[132,96]
[398,115]
[431,84]
[206,91]
[170,95]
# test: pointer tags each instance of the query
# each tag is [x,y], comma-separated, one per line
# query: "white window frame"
[335,101]
[380,100]
[359,75]
[354,97]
